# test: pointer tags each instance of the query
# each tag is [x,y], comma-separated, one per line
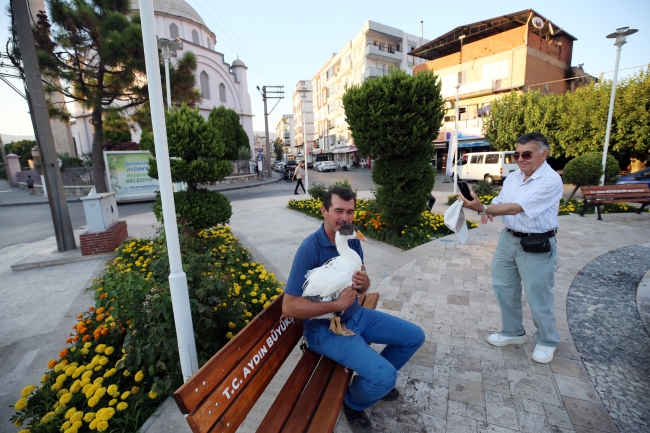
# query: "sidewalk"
[455,383]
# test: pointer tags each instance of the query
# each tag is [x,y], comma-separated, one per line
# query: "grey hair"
[538,138]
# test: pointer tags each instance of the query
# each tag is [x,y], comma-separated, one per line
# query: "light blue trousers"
[377,372]
[511,267]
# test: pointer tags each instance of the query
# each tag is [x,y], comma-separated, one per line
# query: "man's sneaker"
[497,339]
[392,395]
[543,354]
[357,420]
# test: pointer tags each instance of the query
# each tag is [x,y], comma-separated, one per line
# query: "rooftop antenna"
[421,29]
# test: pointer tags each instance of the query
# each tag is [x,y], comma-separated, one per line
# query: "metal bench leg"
[643,205]
[598,209]
[584,208]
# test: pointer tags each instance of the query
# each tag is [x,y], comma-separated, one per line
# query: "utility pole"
[4,161]
[42,127]
[279,94]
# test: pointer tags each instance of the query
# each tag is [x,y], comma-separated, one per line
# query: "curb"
[643,300]
[26,264]
[31,203]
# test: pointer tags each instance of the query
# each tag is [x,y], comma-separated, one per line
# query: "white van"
[489,166]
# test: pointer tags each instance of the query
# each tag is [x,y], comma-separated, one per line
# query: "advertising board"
[128,176]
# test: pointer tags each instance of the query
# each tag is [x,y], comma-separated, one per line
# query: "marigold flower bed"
[122,355]
[368,218]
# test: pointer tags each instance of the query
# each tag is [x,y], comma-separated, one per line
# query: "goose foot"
[337,328]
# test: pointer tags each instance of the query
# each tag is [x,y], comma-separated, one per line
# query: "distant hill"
[7,138]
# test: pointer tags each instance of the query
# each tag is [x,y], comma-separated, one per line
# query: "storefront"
[464,147]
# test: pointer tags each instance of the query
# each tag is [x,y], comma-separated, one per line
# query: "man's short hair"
[346,194]
[538,138]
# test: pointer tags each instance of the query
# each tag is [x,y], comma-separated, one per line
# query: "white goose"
[325,283]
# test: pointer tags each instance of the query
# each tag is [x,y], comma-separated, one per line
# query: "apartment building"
[285,130]
[371,53]
[519,51]
[302,105]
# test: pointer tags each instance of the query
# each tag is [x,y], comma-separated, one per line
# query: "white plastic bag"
[455,220]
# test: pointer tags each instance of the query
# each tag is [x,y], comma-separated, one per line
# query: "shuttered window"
[205,85]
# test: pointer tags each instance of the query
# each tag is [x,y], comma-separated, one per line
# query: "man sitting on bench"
[377,373]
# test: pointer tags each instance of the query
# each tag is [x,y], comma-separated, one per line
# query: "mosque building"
[220,83]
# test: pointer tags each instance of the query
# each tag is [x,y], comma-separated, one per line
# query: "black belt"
[550,234]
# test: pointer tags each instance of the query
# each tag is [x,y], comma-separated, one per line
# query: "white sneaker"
[543,354]
[497,339]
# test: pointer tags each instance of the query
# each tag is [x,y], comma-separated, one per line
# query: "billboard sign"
[128,176]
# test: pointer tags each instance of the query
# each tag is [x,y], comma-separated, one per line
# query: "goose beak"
[361,237]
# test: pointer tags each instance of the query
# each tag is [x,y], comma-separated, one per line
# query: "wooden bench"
[220,395]
[600,195]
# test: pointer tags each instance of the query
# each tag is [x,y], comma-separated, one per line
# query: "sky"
[285,41]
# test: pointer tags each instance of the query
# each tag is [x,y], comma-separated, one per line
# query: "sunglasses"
[526,156]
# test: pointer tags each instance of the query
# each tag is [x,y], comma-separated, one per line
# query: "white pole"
[455,180]
[167,85]
[304,140]
[177,278]
[609,115]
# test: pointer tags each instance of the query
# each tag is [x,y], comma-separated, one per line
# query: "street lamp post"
[168,48]
[177,278]
[456,146]
[621,38]
[303,96]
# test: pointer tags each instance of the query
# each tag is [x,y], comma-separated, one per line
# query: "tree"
[587,169]
[195,150]
[394,119]
[96,51]
[278,148]
[229,131]
[22,148]
[116,127]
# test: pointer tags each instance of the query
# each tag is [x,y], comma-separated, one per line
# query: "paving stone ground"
[609,334]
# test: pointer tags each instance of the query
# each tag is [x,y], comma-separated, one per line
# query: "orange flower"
[63,353]
[100,310]
[79,316]
[88,322]
[86,338]
[91,309]
[83,330]
[68,341]
[100,317]
[102,296]
[51,363]
[75,338]
[105,331]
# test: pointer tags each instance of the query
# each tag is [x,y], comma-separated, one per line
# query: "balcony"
[385,53]
[375,72]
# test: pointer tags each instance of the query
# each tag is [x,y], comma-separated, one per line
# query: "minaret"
[63,141]
[246,115]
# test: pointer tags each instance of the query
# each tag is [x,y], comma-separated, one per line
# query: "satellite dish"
[538,23]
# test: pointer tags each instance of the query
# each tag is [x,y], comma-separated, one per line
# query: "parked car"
[327,166]
[279,167]
[489,166]
[310,165]
[316,164]
[637,178]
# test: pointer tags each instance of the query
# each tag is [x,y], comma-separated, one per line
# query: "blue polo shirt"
[314,251]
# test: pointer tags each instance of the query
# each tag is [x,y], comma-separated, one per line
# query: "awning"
[345,149]
[442,145]
[474,143]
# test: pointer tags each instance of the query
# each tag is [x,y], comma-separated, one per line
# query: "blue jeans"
[377,372]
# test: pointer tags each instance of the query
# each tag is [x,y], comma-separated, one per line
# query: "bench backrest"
[235,373]
[618,192]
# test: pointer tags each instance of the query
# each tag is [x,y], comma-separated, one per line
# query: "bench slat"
[310,398]
[614,189]
[226,359]
[606,201]
[623,196]
[332,401]
[281,408]
[230,388]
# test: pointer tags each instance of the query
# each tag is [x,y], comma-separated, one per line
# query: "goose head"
[350,231]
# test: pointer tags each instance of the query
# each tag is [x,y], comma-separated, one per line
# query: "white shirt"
[539,197]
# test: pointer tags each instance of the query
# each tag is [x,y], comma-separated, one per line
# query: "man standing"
[377,372]
[527,251]
[299,173]
[30,184]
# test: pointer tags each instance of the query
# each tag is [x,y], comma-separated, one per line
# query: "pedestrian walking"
[299,174]
[376,372]
[30,184]
[526,252]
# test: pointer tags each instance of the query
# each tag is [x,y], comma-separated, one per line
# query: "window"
[508,159]
[195,37]
[492,158]
[222,92]
[205,85]
[173,31]
[477,159]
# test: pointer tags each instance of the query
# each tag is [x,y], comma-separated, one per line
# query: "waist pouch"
[537,243]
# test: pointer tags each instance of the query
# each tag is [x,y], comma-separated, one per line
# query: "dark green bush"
[201,209]
[68,161]
[484,188]
[587,168]
[317,190]
[341,184]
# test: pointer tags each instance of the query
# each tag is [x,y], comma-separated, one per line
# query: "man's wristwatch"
[484,211]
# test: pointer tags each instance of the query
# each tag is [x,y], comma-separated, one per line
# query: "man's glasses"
[526,156]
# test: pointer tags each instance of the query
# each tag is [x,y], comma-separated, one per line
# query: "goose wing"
[330,278]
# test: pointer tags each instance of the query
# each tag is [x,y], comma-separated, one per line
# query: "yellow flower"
[153,394]
[112,390]
[135,390]
[47,417]
[122,405]
[93,401]
[102,426]
[139,376]
[125,395]
[126,373]
[229,335]
[21,404]
[18,422]
[66,425]
[89,416]
[109,351]
[231,325]
[76,417]
[112,402]
[105,414]
[27,390]
[65,398]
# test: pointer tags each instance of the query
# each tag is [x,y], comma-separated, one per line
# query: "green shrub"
[3,172]
[317,191]
[68,161]
[244,153]
[484,188]
[587,168]
[201,209]
[341,184]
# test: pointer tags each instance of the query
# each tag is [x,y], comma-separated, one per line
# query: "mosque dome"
[238,63]
[177,8]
